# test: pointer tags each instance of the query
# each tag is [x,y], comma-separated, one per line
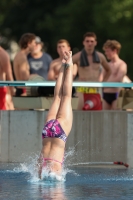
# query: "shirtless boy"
[20,64]
[5,74]
[118,69]
[90,64]
[62,46]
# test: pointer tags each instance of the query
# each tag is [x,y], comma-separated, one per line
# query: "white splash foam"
[31,167]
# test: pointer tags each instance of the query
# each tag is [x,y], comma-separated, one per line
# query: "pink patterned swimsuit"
[53,129]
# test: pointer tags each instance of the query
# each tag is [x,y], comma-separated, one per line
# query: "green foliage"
[70,19]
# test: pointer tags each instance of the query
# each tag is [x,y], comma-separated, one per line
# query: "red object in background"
[92,102]
[24,90]
[3,92]
[121,163]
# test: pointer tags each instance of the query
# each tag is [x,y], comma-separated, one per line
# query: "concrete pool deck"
[97,136]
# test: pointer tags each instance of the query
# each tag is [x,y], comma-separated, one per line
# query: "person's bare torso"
[56,67]
[20,61]
[54,149]
[2,57]
[89,73]
[115,68]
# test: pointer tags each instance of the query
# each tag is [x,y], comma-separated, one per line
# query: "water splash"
[31,167]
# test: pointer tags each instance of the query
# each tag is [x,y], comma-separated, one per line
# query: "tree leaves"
[70,19]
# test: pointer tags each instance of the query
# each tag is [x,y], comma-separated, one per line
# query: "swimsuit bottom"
[110,97]
[47,159]
[53,129]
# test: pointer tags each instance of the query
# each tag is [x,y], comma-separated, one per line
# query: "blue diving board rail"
[75,84]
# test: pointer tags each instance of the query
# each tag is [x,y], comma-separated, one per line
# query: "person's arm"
[121,72]
[76,58]
[106,67]
[49,61]
[101,74]
[21,68]
[6,67]
[24,72]
[75,70]
[126,79]
[51,72]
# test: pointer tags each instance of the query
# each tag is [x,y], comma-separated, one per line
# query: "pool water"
[19,182]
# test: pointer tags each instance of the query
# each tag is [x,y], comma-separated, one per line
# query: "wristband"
[66,65]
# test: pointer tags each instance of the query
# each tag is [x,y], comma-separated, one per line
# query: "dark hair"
[112,44]
[90,34]
[25,39]
[63,41]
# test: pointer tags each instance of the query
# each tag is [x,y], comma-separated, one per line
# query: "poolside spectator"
[6,74]
[119,70]
[39,61]
[90,63]
[20,64]
[62,46]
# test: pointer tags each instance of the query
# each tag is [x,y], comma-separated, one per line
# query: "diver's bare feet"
[67,58]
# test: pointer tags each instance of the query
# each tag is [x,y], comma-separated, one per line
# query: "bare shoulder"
[20,57]
[122,63]
[3,54]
